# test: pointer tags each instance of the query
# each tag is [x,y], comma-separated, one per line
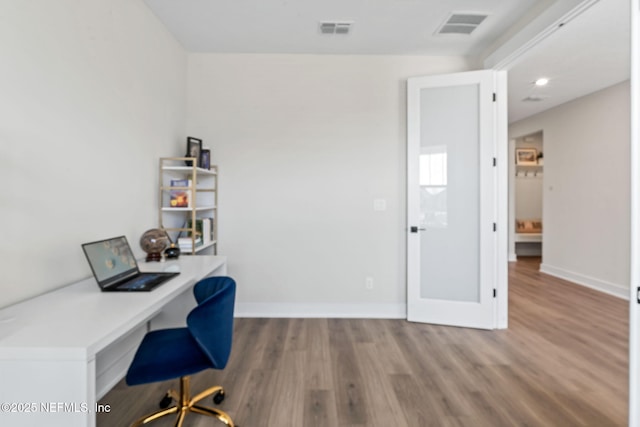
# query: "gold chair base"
[185,404]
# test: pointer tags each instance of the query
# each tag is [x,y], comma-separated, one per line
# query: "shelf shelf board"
[528,237]
[205,245]
[201,247]
[529,166]
[171,188]
[188,170]
[197,209]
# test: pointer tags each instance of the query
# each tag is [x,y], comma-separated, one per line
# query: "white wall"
[305,144]
[586,188]
[93,92]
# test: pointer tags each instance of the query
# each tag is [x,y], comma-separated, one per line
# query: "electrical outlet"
[368,283]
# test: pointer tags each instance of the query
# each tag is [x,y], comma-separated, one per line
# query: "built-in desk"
[62,351]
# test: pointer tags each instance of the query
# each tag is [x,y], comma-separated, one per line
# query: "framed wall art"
[205,158]
[526,156]
[194,146]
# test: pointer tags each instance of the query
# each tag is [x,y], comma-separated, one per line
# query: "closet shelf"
[528,237]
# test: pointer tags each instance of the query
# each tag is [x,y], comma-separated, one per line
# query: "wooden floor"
[562,362]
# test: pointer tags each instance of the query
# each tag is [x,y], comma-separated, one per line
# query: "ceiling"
[397,27]
[587,54]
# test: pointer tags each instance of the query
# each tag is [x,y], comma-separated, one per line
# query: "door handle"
[415,229]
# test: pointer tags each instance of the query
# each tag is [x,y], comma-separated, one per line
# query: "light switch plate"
[379,205]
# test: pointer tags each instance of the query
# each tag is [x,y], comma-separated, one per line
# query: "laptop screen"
[110,259]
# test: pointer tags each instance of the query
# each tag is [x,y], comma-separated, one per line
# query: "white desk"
[61,351]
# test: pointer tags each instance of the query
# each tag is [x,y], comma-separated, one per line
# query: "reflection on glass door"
[449,193]
[433,187]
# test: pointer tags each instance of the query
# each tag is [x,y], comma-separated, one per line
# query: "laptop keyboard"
[141,282]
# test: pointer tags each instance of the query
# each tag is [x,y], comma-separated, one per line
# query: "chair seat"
[166,354]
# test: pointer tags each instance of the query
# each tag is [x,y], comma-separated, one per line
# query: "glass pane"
[450,193]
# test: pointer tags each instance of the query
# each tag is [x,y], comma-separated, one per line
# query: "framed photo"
[194,146]
[205,158]
[526,156]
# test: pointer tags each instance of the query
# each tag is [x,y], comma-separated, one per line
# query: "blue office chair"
[177,353]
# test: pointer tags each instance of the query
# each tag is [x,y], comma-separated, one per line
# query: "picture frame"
[194,147]
[526,156]
[205,158]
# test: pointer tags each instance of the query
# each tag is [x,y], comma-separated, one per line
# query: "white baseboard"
[290,310]
[589,282]
[513,257]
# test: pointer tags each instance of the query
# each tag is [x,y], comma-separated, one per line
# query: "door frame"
[634,300]
[502,200]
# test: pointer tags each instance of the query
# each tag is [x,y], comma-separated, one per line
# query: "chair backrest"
[211,322]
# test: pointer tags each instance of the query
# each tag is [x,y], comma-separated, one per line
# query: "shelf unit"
[528,244]
[201,194]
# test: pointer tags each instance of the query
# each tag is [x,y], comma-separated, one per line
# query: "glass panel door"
[451,199]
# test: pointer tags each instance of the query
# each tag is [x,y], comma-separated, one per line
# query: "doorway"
[526,191]
[586,207]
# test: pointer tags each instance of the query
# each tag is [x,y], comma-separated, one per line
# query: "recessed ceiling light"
[542,81]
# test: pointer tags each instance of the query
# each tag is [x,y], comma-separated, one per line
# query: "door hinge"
[495,162]
[638,295]
[494,97]
[495,226]
[494,293]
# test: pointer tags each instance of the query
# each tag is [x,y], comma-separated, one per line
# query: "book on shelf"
[180,198]
[186,243]
[198,227]
[204,228]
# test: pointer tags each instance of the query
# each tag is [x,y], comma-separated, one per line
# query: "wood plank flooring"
[562,362]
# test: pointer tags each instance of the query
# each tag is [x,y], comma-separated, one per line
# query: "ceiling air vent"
[534,98]
[461,23]
[335,27]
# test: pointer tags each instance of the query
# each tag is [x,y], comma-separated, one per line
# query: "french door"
[452,199]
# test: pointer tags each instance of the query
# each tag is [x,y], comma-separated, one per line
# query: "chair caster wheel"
[218,397]
[165,402]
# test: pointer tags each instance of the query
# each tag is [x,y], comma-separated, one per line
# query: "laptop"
[115,268]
